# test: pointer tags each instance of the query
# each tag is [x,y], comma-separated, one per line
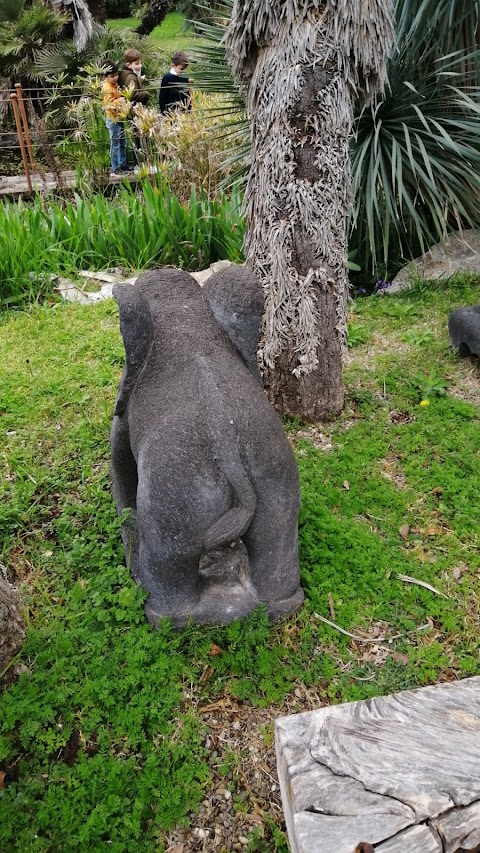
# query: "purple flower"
[381,285]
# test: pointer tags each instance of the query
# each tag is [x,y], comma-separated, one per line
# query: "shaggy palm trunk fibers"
[318,394]
[298,196]
[302,62]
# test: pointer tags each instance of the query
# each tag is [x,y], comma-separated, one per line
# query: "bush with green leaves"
[118,8]
[23,32]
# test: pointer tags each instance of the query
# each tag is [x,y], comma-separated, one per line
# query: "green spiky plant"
[23,31]
[213,76]
[202,12]
[416,153]
[29,27]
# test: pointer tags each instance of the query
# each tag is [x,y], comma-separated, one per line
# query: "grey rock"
[464,330]
[459,252]
[200,460]
[73,291]
[202,276]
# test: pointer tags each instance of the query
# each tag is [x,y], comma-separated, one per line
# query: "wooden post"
[26,129]
[16,113]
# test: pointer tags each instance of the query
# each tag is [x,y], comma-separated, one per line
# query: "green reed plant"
[136,230]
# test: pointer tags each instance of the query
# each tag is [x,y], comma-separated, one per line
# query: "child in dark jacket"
[174,91]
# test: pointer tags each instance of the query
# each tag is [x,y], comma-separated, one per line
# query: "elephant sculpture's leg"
[124,486]
[168,570]
[271,542]
[170,539]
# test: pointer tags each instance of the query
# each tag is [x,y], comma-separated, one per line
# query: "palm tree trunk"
[155,13]
[298,197]
[301,64]
[98,9]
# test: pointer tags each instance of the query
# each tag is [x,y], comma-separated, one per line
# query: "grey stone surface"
[236,302]
[460,252]
[464,330]
[401,772]
[199,456]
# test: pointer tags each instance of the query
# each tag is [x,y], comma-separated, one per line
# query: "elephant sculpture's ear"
[235,298]
[136,326]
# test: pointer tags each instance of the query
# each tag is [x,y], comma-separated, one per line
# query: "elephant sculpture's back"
[208,462]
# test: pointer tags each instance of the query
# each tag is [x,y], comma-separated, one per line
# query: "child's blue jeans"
[118,144]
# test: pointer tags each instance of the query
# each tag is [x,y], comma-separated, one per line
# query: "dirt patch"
[241,759]
[465,381]
[318,434]
[378,344]
[390,469]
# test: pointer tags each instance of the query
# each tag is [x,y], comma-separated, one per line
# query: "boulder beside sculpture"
[464,330]
[200,459]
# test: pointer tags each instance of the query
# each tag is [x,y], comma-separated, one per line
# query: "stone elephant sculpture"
[199,456]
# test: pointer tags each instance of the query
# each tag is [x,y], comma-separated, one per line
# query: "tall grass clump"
[133,230]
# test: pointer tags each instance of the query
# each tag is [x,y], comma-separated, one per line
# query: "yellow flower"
[424,402]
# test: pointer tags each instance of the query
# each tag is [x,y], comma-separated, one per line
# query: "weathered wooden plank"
[320,791]
[417,839]
[334,834]
[460,829]
[370,771]
[17,184]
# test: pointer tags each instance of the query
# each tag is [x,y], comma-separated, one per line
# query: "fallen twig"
[408,579]
[348,634]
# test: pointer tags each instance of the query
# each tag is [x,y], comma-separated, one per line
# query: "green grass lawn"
[105,720]
[171,35]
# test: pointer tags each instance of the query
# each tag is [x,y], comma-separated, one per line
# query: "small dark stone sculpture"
[464,330]
[199,456]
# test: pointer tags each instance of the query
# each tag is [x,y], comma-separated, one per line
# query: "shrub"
[118,8]
[187,147]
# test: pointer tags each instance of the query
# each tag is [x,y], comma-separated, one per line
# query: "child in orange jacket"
[116,110]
